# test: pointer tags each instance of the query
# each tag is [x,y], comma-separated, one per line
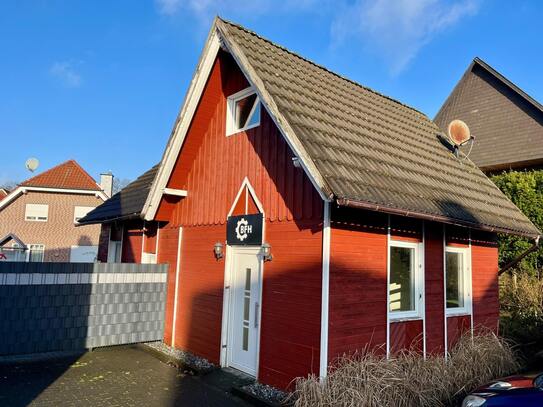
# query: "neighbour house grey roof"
[369,148]
[125,204]
[506,122]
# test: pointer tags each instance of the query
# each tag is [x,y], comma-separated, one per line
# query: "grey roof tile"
[372,149]
[127,203]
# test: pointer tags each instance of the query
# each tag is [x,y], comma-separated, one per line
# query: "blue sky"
[102,81]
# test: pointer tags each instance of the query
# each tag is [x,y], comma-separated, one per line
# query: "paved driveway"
[119,376]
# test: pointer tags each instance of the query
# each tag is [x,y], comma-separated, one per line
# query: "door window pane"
[455,279]
[246,309]
[402,279]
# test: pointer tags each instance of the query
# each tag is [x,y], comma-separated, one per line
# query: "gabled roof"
[358,147]
[68,175]
[125,204]
[507,123]
[15,238]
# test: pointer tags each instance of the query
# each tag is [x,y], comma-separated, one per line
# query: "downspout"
[517,260]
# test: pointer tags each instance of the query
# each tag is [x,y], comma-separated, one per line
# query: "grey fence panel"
[70,306]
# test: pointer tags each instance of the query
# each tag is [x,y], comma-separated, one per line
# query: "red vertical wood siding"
[358,277]
[406,229]
[456,236]
[434,286]
[150,235]
[103,242]
[291,303]
[132,242]
[212,167]
[484,264]
[456,327]
[200,293]
[167,254]
[406,335]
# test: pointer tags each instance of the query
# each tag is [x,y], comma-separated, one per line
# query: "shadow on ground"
[116,376]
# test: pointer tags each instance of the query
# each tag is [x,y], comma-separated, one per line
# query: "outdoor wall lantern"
[266,252]
[217,251]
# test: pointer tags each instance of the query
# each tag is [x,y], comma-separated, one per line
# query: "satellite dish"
[459,132]
[31,164]
[459,135]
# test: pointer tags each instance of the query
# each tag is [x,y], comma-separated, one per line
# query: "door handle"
[257,306]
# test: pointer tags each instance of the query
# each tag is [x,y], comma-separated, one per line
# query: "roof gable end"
[67,175]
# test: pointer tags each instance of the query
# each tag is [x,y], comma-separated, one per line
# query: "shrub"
[407,379]
[521,314]
[525,189]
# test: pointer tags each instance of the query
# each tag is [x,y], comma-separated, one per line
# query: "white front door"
[244,309]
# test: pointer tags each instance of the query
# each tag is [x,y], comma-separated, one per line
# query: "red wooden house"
[305,216]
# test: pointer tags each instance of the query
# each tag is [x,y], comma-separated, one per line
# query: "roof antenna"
[459,135]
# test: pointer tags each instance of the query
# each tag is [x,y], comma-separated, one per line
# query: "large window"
[36,212]
[456,280]
[243,111]
[81,211]
[36,252]
[404,280]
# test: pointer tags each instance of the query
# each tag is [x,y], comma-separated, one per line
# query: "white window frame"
[418,282]
[231,110]
[466,280]
[81,207]
[35,218]
[30,250]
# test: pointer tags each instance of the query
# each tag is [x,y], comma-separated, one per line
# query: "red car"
[513,391]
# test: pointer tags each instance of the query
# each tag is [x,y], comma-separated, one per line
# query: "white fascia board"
[21,190]
[182,123]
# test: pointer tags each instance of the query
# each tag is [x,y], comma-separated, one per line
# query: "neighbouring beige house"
[39,218]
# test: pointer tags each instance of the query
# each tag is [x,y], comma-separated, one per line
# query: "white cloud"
[66,73]
[168,7]
[398,29]
[205,10]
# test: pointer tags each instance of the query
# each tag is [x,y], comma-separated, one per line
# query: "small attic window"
[243,111]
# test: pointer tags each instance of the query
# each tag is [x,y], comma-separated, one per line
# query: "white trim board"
[246,184]
[22,190]
[176,294]
[175,192]
[218,36]
[325,297]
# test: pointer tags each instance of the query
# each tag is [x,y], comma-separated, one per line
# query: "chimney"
[106,183]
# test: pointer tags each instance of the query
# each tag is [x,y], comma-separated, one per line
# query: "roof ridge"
[502,78]
[321,66]
[31,180]
[85,173]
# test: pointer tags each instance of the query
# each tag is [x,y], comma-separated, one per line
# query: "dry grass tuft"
[406,379]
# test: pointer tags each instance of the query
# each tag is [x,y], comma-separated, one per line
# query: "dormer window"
[243,111]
